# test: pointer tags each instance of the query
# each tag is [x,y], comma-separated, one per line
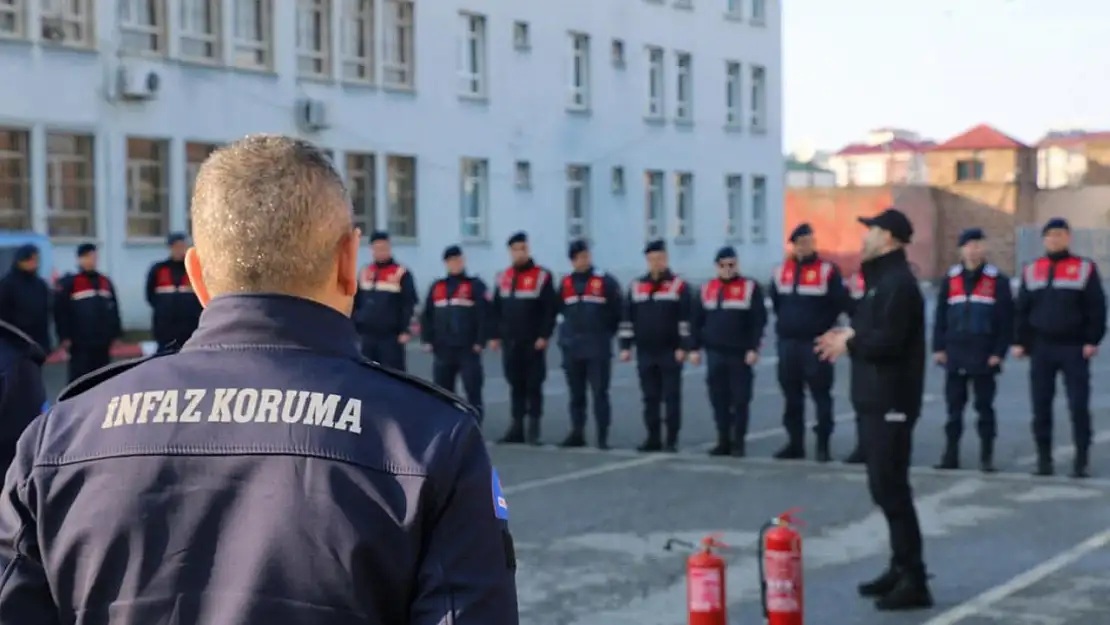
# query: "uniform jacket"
[22,393]
[456,313]
[175,309]
[974,317]
[524,304]
[86,311]
[25,303]
[729,316]
[888,349]
[386,300]
[264,474]
[657,313]
[1061,300]
[808,296]
[591,308]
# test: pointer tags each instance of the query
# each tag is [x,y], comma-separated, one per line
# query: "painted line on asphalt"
[988,599]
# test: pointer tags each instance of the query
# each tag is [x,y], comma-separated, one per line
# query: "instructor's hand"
[833,344]
[751,358]
[541,344]
[940,358]
[1090,351]
[695,358]
[626,355]
[1018,351]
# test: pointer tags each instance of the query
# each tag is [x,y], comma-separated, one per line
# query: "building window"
[656,105]
[15,179]
[734,191]
[362,180]
[733,8]
[684,206]
[253,30]
[758,105]
[734,96]
[578,202]
[759,209]
[195,155]
[401,196]
[684,88]
[521,38]
[200,30]
[143,26]
[969,170]
[12,19]
[474,174]
[313,38]
[655,220]
[472,55]
[759,12]
[357,40]
[578,97]
[616,180]
[399,64]
[70,185]
[523,175]
[148,209]
[63,23]
[617,53]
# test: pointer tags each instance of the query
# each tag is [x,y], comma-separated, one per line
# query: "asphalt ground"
[590,526]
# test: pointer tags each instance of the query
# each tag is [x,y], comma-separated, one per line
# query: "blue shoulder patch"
[500,506]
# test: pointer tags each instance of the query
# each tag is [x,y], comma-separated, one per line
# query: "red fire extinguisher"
[780,570]
[706,600]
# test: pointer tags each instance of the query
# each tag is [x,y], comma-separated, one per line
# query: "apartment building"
[885,156]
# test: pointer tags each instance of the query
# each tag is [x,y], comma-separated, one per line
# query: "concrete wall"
[1083,207]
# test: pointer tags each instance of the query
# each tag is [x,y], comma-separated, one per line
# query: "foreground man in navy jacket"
[22,394]
[265,473]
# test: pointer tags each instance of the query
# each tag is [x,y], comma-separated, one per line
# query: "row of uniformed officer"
[86,315]
[25,297]
[384,305]
[175,309]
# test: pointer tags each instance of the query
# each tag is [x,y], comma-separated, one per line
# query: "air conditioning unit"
[312,114]
[139,80]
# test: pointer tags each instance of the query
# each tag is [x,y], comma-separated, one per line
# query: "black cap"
[803,230]
[576,248]
[379,235]
[971,234]
[85,248]
[655,246]
[725,253]
[176,237]
[26,252]
[518,237]
[893,221]
[452,251]
[1056,223]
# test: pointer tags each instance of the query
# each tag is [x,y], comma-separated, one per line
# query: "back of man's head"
[271,215]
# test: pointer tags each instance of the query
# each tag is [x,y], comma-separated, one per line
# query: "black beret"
[803,230]
[85,248]
[1056,223]
[379,235]
[655,246]
[451,252]
[26,252]
[971,234]
[176,237]
[576,248]
[519,237]
[725,252]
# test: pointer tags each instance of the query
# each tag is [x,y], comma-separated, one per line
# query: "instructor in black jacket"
[886,344]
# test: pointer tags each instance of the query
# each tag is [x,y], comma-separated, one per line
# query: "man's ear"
[347,271]
[196,276]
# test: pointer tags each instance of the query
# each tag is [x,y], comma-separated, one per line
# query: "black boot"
[1045,467]
[794,450]
[671,446]
[951,458]
[724,444]
[823,454]
[881,585]
[652,443]
[910,592]
[986,455]
[532,432]
[856,457]
[1079,466]
[515,434]
[603,438]
[575,439]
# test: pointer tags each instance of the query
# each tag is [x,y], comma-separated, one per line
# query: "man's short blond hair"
[268,213]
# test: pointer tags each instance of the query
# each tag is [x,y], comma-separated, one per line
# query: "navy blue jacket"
[729,316]
[25,303]
[656,314]
[590,302]
[456,313]
[525,304]
[386,300]
[808,296]
[86,311]
[175,309]
[22,393]
[263,474]
[974,318]
[1061,300]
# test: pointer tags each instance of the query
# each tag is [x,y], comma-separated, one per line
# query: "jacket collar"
[881,264]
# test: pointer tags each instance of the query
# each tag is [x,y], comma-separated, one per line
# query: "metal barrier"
[1093,243]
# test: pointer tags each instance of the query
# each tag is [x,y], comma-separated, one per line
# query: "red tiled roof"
[897,145]
[981,137]
[1073,140]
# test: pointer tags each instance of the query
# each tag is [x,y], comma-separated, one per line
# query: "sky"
[939,67]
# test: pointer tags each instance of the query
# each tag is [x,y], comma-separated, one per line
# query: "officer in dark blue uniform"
[808,295]
[657,321]
[525,306]
[25,297]
[22,394]
[591,309]
[972,330]
[454,327]
[728,321]
[175,309]
[86,315]
[266,472]
[1060,322]
[384,305]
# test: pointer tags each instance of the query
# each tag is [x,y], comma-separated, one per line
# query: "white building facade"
[453,121]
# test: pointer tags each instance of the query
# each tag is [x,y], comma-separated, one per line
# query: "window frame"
[684,206]
[758,13]
[578,85]
[657,87]
[398,45]
[258,48]
[474,193]
[66,19]
[578,213]
[23,183]
[473,74]
[758,222]
[404,168]
[758,104]
[734,94]
[977,169]
[55,185]
[655,205]
[18,13]
[357,20]
[362,173]
[684,87]
[155,33]
[134,174]
[210,41]
[734,207]
[314,60]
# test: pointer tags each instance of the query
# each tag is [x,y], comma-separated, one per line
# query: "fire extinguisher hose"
[760,551]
